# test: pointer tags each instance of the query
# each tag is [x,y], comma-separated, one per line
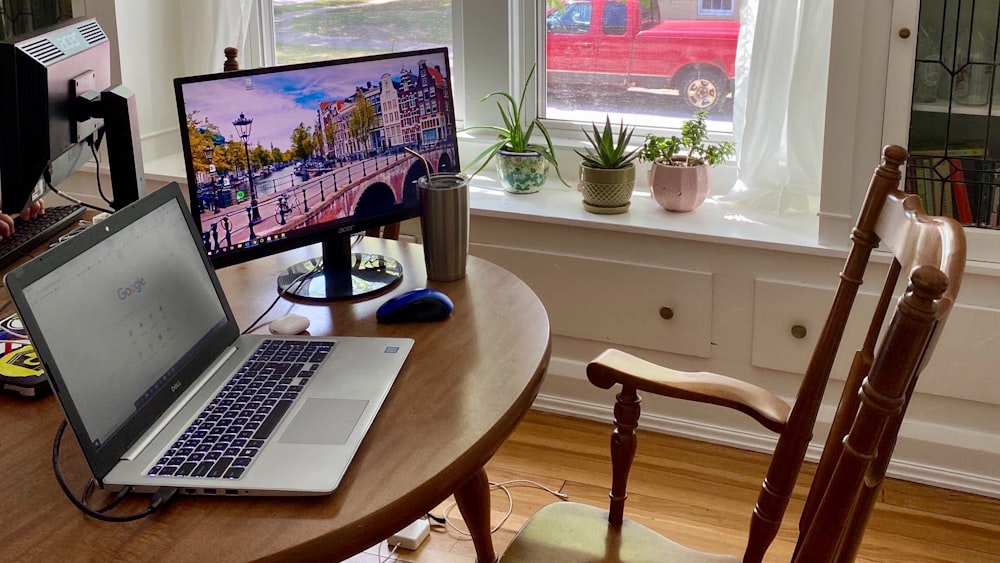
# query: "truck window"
[649,14]
[614,21]
[573,18]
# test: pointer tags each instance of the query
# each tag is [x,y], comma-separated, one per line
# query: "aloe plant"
[515,134]
[608,150]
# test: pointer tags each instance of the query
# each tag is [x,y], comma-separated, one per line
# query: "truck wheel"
[704,90]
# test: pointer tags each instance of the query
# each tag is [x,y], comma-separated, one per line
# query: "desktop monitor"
[56,105]
[288,156]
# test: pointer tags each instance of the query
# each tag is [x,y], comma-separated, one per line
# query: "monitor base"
[367,274]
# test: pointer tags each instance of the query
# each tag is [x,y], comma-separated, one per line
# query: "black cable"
[76,201]
[159,500]
[297,282]
[122,493]
[97,161]
[438,519]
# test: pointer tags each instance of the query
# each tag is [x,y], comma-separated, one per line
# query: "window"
[648,62]
[326,29]
[715,7]
[669,62]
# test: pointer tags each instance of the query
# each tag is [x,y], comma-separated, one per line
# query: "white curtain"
[780,103]
[209,27]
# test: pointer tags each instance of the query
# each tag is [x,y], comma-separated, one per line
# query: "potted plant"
[607,173]
[678,180]
[521,164]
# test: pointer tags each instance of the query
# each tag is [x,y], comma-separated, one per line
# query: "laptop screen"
[123,316]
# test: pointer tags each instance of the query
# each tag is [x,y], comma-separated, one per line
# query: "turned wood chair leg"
[623,444]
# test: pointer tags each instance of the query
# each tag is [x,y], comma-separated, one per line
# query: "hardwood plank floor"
[701,495]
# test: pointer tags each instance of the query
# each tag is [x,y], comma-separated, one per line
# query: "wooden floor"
[702,495]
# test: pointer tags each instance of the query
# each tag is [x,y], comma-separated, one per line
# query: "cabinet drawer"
[616,302]
[963,365]
[780,307]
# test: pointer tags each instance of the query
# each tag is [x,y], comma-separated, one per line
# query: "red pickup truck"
[624,42]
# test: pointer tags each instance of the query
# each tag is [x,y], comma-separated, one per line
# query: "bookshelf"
[954,117]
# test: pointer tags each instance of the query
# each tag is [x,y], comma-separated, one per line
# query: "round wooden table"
[463,389]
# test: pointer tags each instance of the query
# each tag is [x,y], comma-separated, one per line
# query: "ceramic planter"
[678,188]
[607,191]
[521,172]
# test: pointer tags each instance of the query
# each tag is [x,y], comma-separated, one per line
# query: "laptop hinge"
[169,415]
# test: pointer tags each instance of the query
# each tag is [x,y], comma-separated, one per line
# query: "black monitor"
[287,156]
[56,105]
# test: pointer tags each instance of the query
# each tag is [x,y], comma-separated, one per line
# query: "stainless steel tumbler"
[444,224]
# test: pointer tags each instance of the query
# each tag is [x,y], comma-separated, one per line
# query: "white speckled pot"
[521,172]
[678,188]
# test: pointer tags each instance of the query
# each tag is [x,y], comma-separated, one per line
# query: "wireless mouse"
[418,305]
[289,324]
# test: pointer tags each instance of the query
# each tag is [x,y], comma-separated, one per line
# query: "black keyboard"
[28,235]
[227,434]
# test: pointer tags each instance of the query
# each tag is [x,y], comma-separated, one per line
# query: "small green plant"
[694,136]
[515,134]
[608,150]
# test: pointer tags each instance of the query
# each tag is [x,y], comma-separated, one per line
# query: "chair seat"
[567,532]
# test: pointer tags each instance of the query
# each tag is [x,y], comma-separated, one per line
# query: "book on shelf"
[919,177]
[961,184]
[961,206]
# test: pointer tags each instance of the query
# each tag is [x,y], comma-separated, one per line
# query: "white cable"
[510,502]
[387,557]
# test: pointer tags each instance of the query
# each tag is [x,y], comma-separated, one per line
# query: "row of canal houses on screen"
[413,110]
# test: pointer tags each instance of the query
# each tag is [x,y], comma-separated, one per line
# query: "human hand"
[34,210]
[6,225]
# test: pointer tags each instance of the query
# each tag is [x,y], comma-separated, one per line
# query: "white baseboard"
[920,463]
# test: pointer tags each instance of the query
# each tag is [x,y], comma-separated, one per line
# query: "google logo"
[125,292]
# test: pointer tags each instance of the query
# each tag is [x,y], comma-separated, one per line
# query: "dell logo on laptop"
[175,387]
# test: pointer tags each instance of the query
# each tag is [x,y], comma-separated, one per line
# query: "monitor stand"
[344,274]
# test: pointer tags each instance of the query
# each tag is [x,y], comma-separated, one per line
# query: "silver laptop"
[158,384]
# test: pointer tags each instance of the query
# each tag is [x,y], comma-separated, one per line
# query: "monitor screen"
[287,156]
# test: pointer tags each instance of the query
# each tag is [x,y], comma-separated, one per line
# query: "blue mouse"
[418,305]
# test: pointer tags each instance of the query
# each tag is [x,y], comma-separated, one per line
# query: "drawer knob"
[799,331]
[904,32]
[666,313]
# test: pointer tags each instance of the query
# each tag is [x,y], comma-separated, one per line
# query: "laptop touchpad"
[327,422]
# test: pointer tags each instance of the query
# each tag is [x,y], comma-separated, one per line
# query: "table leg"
[473,499]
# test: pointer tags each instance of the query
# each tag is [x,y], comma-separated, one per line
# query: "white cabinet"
[943,103]
[749,312]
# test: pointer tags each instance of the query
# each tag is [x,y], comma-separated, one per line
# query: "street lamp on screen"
[243,125]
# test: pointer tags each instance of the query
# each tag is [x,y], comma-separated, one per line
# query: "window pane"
[651,63]
[310,30]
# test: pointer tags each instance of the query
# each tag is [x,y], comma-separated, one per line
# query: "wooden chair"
[931,253]
[390,231]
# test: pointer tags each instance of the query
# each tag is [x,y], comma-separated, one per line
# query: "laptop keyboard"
[229,432]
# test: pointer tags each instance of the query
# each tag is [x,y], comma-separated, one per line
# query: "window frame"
[717,11]
[851,141]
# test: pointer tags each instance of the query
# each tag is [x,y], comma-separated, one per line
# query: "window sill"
[715,221]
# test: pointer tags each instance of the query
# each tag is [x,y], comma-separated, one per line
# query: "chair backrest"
[930,253]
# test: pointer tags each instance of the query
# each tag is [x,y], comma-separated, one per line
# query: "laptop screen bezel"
[103,458]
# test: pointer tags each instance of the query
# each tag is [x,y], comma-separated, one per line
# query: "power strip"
[410,537]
